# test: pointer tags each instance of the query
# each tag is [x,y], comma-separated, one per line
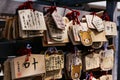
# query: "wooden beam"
[74,2]
[69,3]
[43,2]
[65,2]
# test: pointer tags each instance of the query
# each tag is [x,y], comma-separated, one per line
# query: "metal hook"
[28,46]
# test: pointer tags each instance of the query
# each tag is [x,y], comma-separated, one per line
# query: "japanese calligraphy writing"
[34,63]
[32,67]
[26,64]
[18,66]
[54,62]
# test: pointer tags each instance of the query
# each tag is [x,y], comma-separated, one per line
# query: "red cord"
[105,16]
[73,15]
[91,76]
[26,5]
[25,51]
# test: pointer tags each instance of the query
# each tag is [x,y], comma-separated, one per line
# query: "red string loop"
[105,16]
[91,76]
[25,51]
[28,55]
[73,15]
[26,5]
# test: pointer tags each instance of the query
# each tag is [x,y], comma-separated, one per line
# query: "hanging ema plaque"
[34,66]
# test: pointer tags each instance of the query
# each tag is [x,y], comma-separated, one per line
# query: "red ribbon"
[73,16]
[91,76]
[26,5]
[105,16]
[51,9]
[25,51]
